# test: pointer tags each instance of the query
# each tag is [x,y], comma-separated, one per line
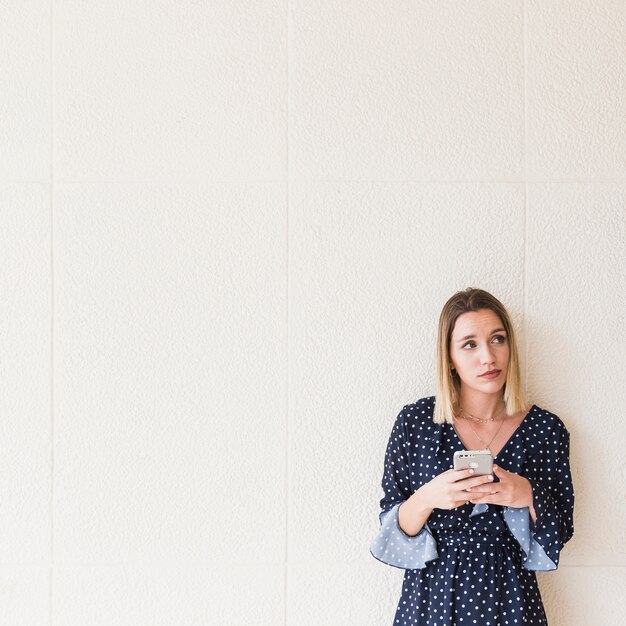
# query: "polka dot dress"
[475,564]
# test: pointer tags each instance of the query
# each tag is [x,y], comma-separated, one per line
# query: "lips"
[491,373]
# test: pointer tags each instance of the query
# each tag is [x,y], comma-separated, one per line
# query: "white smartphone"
[480,461]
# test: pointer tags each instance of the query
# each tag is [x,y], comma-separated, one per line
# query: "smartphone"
[480,461]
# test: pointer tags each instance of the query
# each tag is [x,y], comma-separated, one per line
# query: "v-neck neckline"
[513,435]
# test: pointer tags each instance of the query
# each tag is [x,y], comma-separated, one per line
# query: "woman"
[470,545]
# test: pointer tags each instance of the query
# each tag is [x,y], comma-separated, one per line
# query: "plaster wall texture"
[226,233]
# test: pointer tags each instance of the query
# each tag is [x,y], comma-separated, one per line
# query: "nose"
[486,356]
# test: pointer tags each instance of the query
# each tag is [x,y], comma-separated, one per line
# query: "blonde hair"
[449,384]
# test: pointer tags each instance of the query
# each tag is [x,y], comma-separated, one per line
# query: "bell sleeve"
[392,545]
[548,472]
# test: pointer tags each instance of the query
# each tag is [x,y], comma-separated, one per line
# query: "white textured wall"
[226,232]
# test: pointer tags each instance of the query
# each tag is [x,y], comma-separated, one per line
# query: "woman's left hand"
[513,490]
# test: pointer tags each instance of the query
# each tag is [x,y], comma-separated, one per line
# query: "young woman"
[470,545]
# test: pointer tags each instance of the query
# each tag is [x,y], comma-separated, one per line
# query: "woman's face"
[480,344]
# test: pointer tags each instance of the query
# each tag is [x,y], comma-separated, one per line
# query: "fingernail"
[490,477]
[470,471]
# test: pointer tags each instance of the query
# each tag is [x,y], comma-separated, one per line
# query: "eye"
[502,337]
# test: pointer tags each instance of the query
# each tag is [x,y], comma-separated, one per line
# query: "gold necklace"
[480,438]
[480,419]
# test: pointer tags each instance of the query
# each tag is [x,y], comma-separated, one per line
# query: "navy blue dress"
[475,564]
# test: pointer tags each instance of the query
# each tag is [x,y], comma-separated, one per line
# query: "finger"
[478,480]
[467,477]
[494,497]
[487,498]
[493,488]
[461,497]
[454,491]
[491,499]
[460,474]
[499,472]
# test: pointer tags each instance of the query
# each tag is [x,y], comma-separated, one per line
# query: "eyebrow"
[497,330]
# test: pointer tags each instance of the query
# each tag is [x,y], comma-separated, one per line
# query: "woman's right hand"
[447,490]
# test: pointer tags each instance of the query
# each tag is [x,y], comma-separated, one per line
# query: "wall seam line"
[525,165]
[287,327]
[52,318]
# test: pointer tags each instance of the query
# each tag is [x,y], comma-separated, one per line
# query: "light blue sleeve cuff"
[534,557]
[394,547]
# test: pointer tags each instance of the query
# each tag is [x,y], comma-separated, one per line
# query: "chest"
[431,454]
[479,436]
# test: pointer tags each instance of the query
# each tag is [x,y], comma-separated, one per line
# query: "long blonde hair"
[449,384]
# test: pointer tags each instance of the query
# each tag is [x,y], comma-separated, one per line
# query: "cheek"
[461,360]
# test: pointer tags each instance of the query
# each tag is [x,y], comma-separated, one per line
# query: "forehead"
[476,322]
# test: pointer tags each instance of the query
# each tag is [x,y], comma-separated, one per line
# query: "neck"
[485,406]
